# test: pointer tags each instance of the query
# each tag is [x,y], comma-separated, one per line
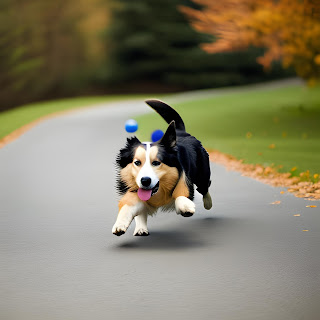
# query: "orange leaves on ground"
[301,186]
[275,202]
[311,206]
[288,29]
[297,215]
[306,189]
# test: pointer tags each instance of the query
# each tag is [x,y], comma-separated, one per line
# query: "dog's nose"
[145,181]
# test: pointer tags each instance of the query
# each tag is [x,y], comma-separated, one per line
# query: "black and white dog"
[161,174]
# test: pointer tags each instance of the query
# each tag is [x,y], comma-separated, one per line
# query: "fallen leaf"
[276,202]
[282,192]
[296,215]
[268,170]
[301,185]
[305,230]
[249,135]
[311,206]
[272,146]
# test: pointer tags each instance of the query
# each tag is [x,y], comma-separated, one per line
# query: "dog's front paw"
[185,206]
[119,230]
[141,232]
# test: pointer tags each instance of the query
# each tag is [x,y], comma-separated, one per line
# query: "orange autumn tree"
[289,30]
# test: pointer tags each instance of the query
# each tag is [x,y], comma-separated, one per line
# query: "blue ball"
[131,125]
[156,135]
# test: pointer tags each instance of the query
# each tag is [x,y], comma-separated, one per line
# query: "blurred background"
[64,48]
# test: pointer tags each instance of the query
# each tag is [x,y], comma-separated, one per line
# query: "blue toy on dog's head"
[131,126]
[156,135]
[161,173]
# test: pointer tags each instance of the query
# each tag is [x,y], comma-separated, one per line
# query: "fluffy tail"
[167,113]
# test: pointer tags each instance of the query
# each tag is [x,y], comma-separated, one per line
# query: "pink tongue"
[144,195]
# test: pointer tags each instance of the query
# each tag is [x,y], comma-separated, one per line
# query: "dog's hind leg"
[202,180]
[207,201]
[141,224]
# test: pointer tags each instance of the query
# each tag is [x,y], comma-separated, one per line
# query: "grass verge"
[16,118]
[277,128]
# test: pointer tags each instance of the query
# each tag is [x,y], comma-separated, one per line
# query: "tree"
[46,47]
[289,30]
[151,41]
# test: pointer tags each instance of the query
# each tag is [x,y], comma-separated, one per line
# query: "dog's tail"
[167,113]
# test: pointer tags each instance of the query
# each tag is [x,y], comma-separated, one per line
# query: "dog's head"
[145,167]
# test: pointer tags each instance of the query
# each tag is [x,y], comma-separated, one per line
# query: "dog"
[161,174]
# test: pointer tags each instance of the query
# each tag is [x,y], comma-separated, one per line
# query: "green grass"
[246,124]
[241,124]
[16,118]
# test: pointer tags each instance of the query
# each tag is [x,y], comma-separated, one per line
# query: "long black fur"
[186,153]
[124,157]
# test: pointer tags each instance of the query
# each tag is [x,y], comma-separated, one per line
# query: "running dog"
[161,175]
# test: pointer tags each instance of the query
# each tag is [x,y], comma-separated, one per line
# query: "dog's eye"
[137,163]
[156,163]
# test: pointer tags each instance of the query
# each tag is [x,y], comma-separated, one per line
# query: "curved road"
[245,259]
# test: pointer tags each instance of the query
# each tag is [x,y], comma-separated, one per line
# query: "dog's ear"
[170,137]
[132,142]
[125,155]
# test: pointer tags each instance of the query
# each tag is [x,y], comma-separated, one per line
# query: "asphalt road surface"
[244,259]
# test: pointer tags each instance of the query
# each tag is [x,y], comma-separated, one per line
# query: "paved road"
[245,259]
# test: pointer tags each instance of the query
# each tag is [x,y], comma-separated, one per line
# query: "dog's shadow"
[197,233]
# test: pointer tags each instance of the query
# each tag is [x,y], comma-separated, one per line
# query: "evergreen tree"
[151,41]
